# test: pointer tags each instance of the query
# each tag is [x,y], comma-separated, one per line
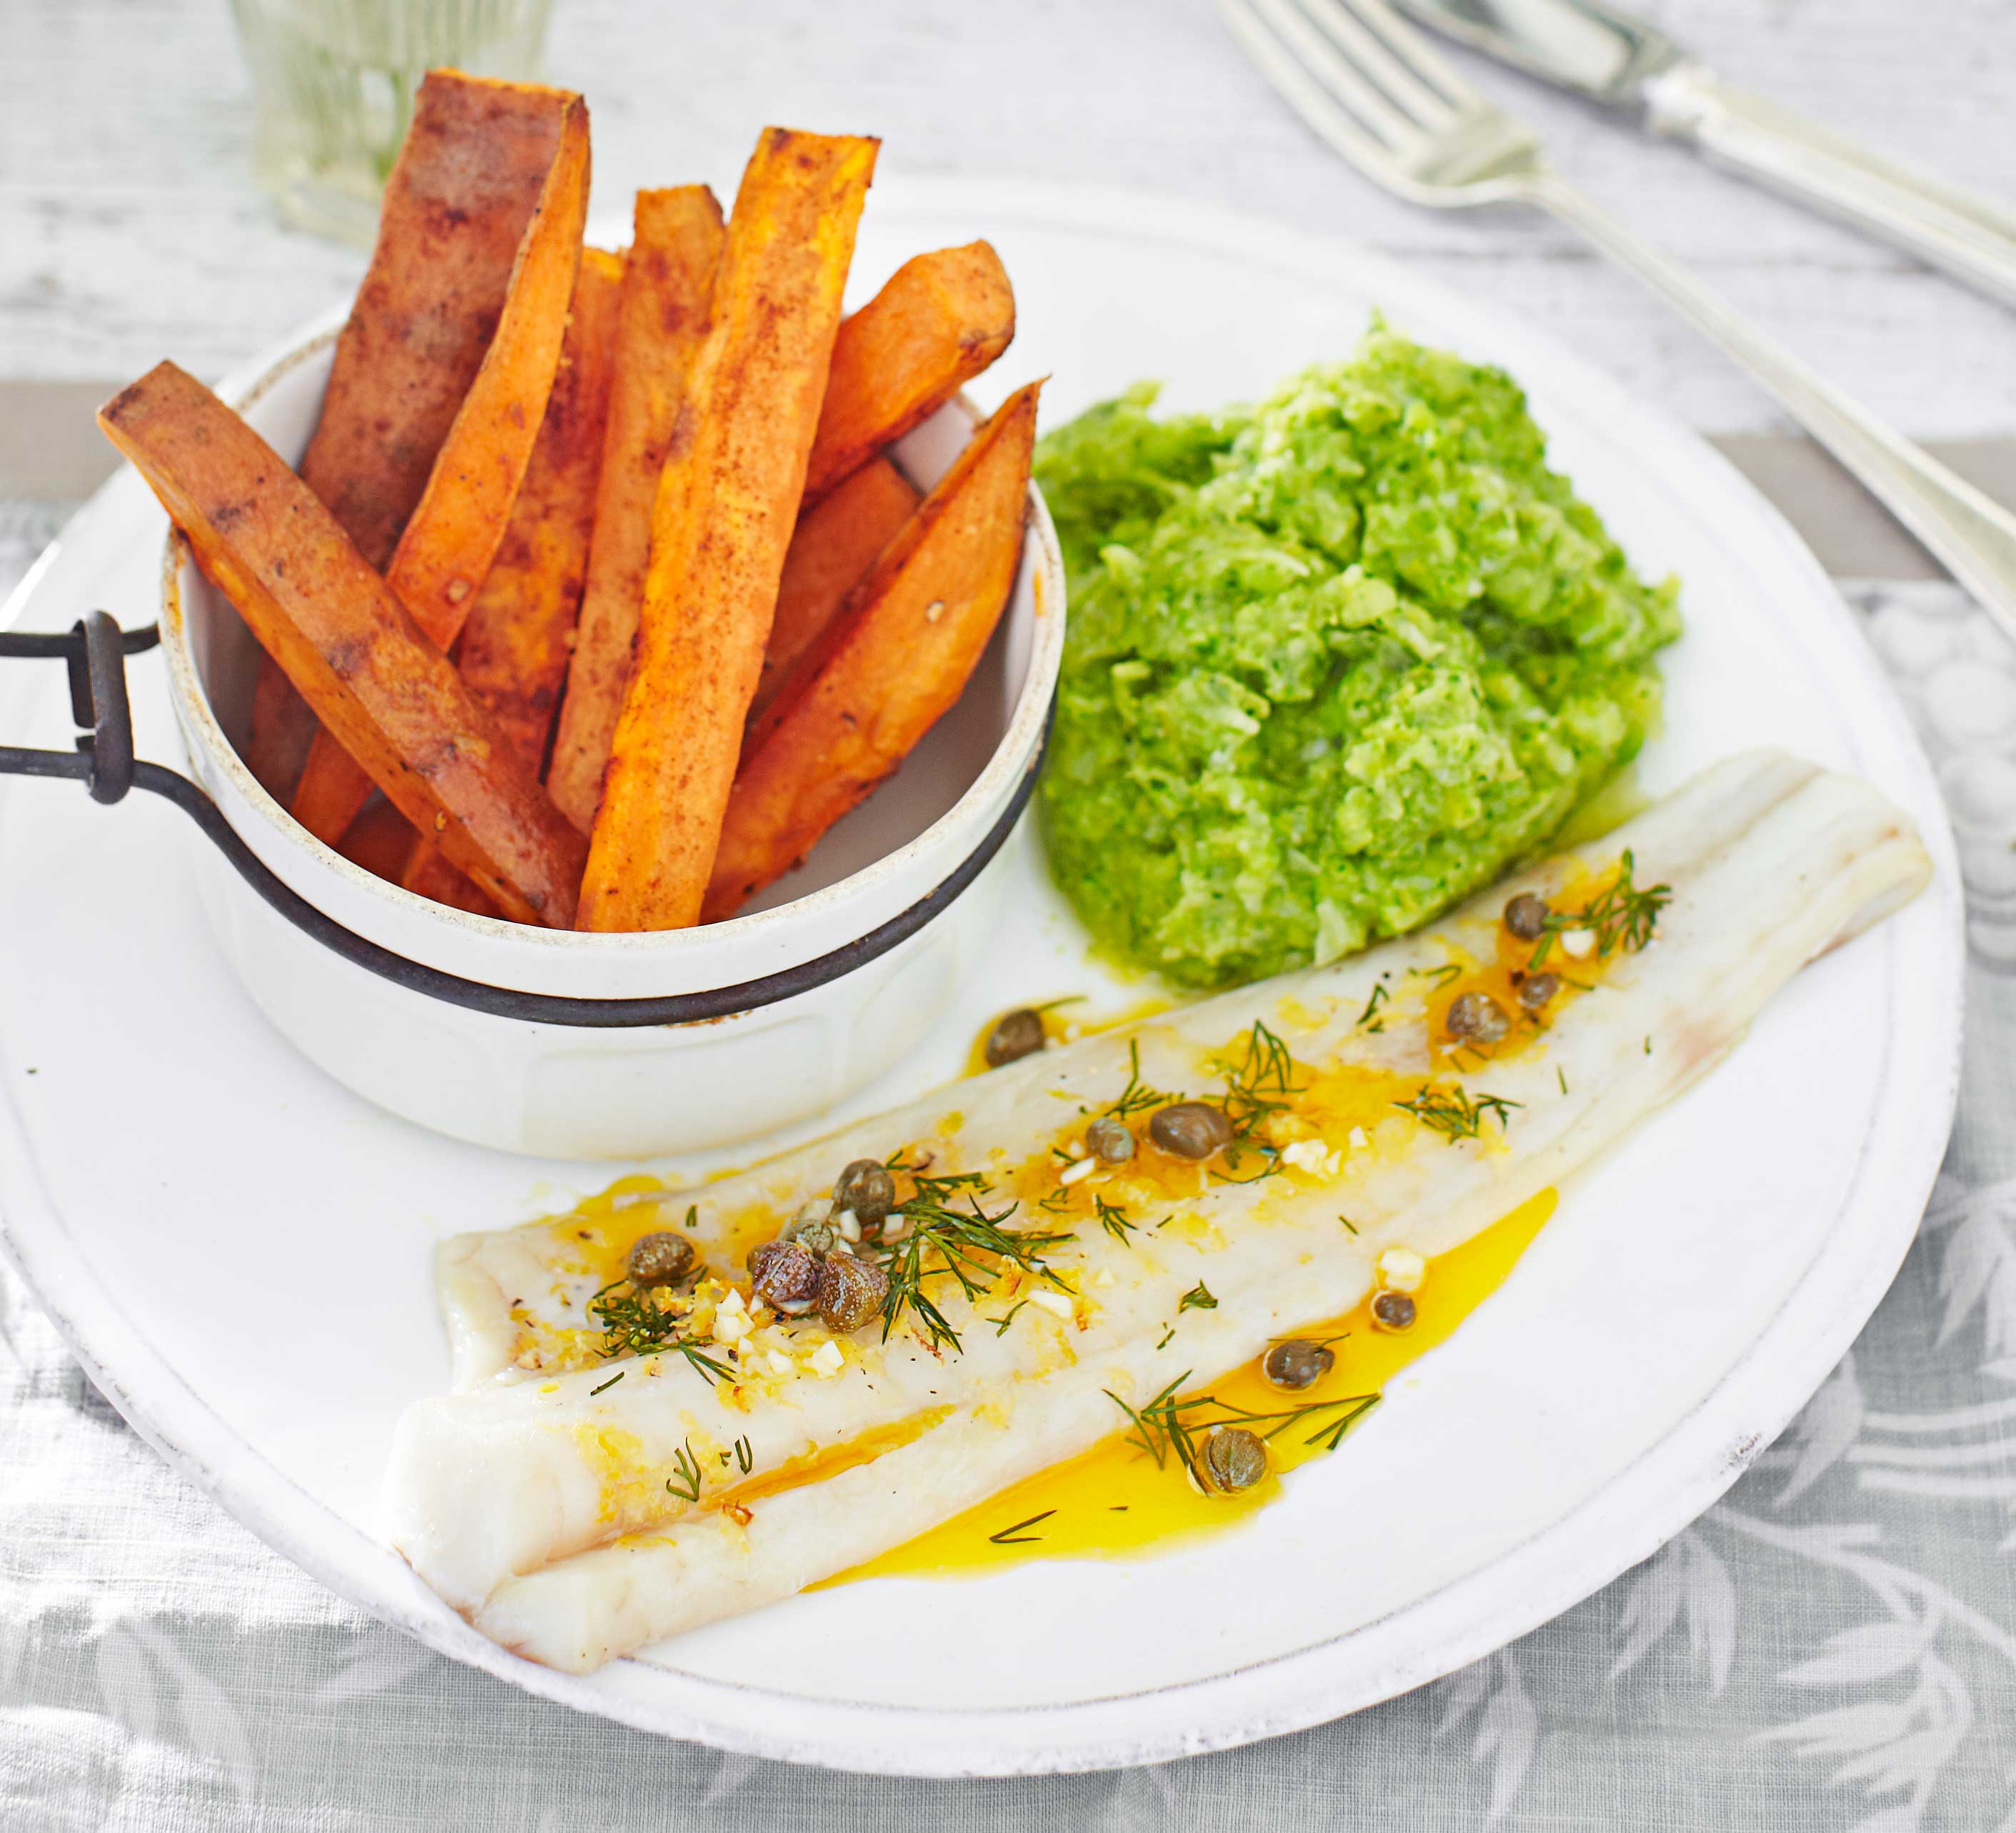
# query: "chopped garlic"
[1057,1304]
[1401,1269]
[1358,1138]
[1577,942]
[1305,1155]
[780,1364]
[826,1359]
[1104,1278]
[1078,1171]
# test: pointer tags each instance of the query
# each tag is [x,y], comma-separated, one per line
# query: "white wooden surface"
[130,228]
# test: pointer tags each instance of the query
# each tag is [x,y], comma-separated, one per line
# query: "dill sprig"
[684,1483]
[1380,996]
[1621,916]
[1198,1299]
[1170,1425]
[632,1324]
[1137,1097]
[964,1244]
[1112,1218]
[1454,1113]
[1013,1536]
[1259,1086]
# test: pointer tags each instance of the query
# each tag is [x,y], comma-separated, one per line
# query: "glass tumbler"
[336,80]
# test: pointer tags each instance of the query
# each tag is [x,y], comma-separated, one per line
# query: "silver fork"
[1371,87]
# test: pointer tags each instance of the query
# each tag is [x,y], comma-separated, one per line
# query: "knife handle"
[1967,234]
[1970,534]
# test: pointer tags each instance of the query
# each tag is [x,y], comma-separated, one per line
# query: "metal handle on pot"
[95,649]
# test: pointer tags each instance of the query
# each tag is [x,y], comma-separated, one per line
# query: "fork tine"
[1387,51]
[1411,49]
[1311,72]
[1344,133]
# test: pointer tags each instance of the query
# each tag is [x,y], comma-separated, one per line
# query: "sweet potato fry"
[348,644]
[835,544]
[428,873]
[379,840]
[513,650]
[466,186]
[276,746]
[723,520]
[515,644]
[668,282]
[890,665]
[447,547]
[939,321]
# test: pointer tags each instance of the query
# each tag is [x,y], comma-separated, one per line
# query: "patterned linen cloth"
[1833,1647]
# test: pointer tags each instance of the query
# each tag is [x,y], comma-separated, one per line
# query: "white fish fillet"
[539,1509]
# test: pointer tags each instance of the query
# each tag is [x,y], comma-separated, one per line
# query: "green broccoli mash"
[1333,662]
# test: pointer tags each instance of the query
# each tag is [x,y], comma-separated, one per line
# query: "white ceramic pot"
[817,988]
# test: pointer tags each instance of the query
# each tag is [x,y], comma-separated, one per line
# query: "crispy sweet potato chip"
[668,282]
[889,666]
[726,510]
[939,321]
[348,644]
[513,650]
[835,544]
[446,545]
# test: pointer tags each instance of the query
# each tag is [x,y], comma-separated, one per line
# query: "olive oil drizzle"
[1114,1501]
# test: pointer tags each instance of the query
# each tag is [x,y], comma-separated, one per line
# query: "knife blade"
[1620,61]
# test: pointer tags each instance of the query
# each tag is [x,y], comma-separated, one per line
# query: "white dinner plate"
[239,1251]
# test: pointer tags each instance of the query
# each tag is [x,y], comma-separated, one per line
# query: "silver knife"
[1625,63]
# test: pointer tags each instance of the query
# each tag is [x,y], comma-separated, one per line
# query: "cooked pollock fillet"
[540,1510]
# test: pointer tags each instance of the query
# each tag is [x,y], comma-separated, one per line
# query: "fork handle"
[1967,234]
[1973,537]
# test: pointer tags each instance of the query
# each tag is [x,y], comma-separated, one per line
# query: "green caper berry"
[1526,916]
[850,1292]
[1015,1035]
[867,1188]
[1233,1459]
[1393,1311]
[1190,1129]
[1111,1140]
[1297,1364]
[1476,1018]
[660,1258]
[787,1277]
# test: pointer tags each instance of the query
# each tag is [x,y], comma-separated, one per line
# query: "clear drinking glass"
[335,82]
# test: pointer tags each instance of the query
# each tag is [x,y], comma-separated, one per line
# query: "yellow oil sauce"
[1114,1500]
[1065,1021]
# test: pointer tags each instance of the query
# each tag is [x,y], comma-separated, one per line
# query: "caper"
[660,1258]
[1537,991]
[1016,1033]
[1297,1364]
[814,1228]
[1476,1018]
[1111,1141]
[867,1188]
[1526,916]
[1190,1129]
[787,1277]
[1233,1459]
[850,1292]
[1393,1311]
